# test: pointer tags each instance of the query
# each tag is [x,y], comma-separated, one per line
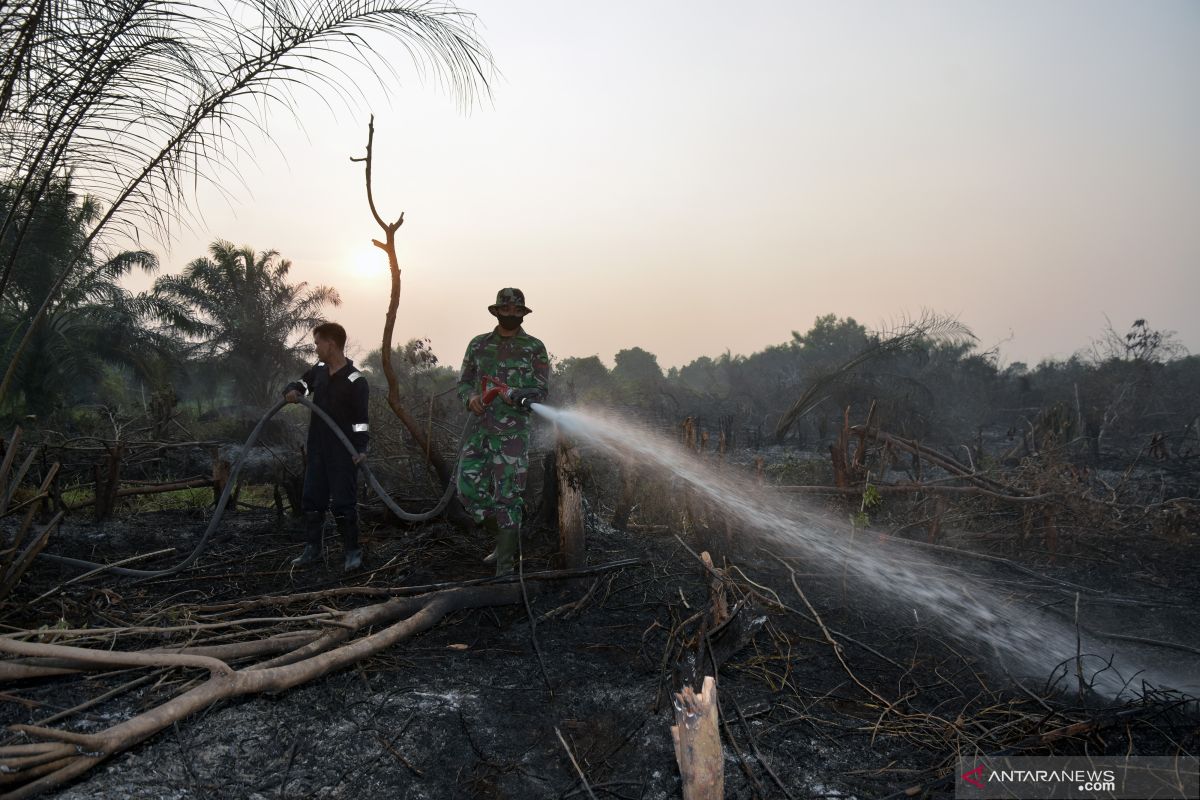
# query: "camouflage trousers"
[491,477]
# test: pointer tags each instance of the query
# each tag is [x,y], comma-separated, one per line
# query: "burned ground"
[473,708]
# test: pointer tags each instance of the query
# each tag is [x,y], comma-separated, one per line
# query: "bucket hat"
[509,296]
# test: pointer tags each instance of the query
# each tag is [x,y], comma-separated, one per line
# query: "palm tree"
[94,322]
[141,99]
[244,318]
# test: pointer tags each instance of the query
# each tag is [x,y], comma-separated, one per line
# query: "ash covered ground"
[469,709]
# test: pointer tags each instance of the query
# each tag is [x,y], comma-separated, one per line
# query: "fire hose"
[235,469]
[490,389]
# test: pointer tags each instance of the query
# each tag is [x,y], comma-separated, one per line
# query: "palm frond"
[143,100]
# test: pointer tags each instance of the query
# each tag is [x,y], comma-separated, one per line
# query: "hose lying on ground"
[202,545]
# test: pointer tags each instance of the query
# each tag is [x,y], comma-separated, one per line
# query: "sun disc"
[368,262]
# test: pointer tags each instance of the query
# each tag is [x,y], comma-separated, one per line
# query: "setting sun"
[367,262]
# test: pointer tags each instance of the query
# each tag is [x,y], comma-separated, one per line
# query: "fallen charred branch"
[946,462]
[221,616]
[725,627]
[149,488]
[59,756]
[402,591]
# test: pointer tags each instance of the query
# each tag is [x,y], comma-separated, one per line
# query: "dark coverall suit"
[331,471]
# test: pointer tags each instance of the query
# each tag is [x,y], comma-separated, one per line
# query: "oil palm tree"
[94,322]
[243,317]
[141,99]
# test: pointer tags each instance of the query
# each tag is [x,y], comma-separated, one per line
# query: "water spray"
[1013,633]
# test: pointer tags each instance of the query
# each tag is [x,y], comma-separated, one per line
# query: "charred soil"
[475,706]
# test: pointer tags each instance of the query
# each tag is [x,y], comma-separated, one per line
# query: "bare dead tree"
[388,245]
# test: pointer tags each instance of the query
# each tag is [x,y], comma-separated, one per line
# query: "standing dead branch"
[388,245]
[17,554]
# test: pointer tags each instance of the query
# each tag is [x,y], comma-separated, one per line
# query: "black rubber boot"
[348,529]
[314,521]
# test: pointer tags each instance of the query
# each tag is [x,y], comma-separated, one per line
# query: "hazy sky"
[695,177]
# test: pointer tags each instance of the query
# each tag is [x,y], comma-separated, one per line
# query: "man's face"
[325,347]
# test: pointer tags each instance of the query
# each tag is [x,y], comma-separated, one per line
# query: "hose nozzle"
[491,388]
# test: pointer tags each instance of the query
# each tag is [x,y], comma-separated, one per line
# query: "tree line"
[230,325]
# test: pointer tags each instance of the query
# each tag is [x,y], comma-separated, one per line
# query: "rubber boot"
[489,527]
[348,530]
[506,550]
[314,521]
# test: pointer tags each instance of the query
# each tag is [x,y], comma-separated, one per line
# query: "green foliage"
[582,380]
[831,339]
[924,338]
[94,325]
[245,321]
[417,370]
[637,374]
[797,471]
[637,366]
[871,498]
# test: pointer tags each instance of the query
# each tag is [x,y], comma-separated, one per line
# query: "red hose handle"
[490,389]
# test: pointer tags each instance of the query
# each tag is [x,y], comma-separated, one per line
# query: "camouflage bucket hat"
[510,296]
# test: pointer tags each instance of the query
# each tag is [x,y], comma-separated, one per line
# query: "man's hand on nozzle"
[292,396]
[359,458]
[476,404]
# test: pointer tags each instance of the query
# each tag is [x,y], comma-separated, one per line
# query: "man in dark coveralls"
[340,390]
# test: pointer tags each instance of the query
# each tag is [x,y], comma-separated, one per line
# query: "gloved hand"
[522,398]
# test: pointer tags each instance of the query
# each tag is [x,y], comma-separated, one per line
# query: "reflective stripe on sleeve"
[361,427]
[353,376]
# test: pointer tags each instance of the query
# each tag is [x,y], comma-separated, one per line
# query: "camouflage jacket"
[519,361]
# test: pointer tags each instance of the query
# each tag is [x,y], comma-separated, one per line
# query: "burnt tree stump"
[571,534]
[698,743]
[108,480]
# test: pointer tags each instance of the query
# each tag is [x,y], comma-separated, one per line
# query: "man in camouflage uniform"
[495,457]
